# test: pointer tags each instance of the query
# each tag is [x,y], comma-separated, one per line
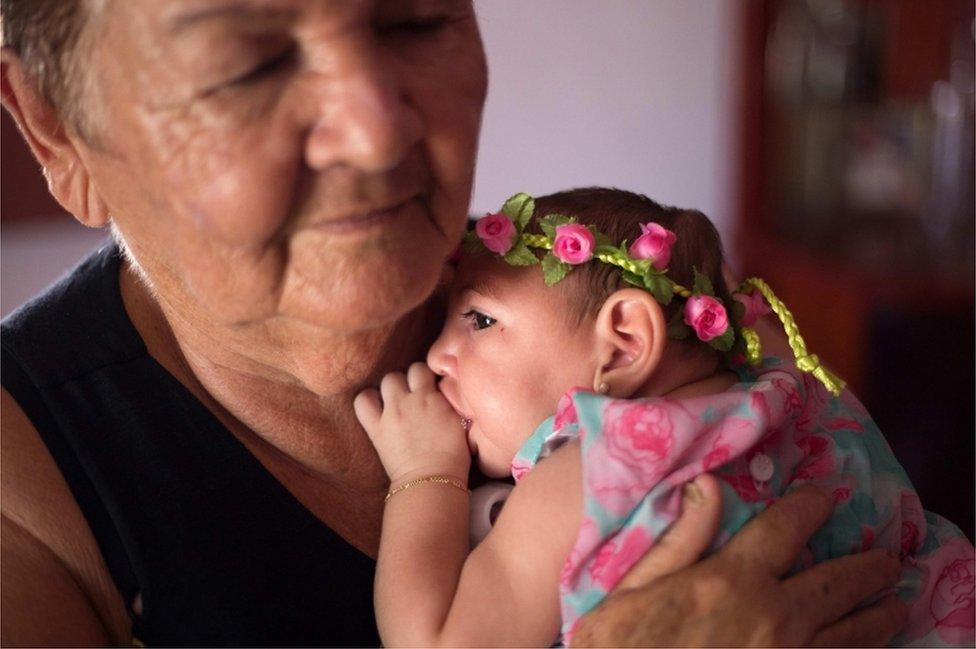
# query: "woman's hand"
[414,429]
[737,597]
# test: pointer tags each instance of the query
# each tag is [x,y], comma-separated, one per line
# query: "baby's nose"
[440,357]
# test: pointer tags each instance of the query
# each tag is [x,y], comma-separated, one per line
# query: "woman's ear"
[630,333]
[50,141]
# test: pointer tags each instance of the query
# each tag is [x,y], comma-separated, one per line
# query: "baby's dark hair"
[619,214]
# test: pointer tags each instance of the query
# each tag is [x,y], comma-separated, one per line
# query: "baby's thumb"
[368,407]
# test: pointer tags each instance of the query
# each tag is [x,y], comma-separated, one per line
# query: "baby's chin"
[493,468]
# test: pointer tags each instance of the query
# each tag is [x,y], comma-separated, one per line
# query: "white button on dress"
[761,467]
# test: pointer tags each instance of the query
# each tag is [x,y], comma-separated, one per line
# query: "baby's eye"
[479,319]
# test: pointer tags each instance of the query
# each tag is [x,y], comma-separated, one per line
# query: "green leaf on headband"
[703,285]
[548,227]
[553,270]
[472,242]
[724,342]
[660,287]
[632,278]
[606,250]
[677,329]
[520,255]
[553,221]
[644,266]
[519,208]
[601,239]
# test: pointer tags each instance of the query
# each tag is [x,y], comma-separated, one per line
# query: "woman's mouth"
[367,218]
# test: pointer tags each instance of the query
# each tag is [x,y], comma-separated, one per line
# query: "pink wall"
[634,94]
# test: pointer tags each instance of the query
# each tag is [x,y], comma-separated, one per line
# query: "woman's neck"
[295,396]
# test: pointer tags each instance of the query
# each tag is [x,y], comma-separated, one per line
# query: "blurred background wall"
[625,93]
[830,140]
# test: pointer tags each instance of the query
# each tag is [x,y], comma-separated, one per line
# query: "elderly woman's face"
[293,160]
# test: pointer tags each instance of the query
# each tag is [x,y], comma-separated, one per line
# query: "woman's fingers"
[419,376]
[833,588]
[686,539]
[775,537]
[368,408]
[873,626]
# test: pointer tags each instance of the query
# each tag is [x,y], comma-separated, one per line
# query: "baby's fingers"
[420,376]
[368,408]
[393,387]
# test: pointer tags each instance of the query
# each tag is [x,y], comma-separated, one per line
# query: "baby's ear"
[630,334]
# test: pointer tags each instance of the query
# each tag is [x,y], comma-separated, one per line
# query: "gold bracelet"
[438,479]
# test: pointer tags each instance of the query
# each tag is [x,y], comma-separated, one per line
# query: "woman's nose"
[365,118]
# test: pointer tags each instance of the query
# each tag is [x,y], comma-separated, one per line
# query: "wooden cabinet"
[856,204]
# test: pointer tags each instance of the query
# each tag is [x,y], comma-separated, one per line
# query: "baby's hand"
[414,429]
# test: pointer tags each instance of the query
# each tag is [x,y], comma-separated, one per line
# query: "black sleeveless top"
[220,551]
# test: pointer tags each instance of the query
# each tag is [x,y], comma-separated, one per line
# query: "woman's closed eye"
[266,68]
[478,319]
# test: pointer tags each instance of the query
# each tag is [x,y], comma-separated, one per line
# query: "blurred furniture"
[857,206]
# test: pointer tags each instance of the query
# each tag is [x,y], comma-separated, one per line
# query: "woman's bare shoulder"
[56,586]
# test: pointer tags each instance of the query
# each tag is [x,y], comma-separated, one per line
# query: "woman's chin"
[364,296]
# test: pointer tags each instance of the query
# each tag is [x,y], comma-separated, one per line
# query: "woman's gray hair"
[46,34]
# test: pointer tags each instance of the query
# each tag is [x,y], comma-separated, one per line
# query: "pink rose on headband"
[754,305]
[655,244]
[706,316]
[496,231]
[574,244]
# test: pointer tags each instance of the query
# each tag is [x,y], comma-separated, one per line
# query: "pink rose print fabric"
[774,431]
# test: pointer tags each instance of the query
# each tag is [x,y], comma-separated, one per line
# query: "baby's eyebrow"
[482,285]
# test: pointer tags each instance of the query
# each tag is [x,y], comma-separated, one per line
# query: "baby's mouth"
[464,420]
[453,401]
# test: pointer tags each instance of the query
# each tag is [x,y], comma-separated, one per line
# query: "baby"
[656,377]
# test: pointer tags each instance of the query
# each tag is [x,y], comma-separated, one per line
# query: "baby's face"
[507,353]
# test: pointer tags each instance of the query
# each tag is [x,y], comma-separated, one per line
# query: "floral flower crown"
[644,263]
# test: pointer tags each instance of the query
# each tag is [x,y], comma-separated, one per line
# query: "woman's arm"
[56,586]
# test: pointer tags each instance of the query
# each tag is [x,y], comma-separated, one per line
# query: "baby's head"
[511,345]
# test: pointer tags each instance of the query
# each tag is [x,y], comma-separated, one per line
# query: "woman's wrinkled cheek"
[218,200]
[230,181]
[454,97]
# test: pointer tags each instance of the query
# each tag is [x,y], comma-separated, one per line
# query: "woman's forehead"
[179,14]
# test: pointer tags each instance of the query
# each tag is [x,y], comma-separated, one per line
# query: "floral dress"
[775,430]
